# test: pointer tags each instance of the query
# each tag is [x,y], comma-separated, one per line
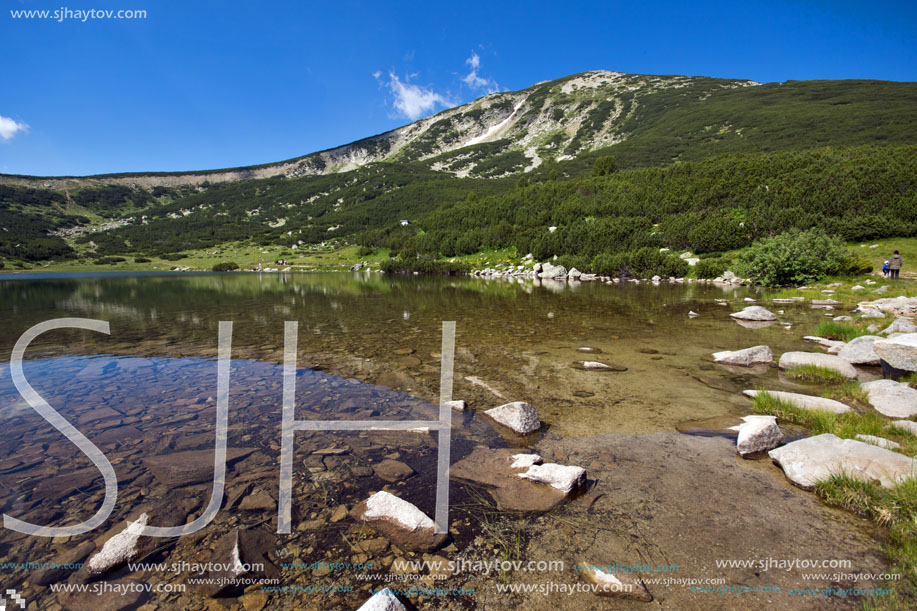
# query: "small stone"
[518,416]
[340,512]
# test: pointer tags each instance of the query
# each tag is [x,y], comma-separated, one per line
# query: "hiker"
[885,269]
[894,265]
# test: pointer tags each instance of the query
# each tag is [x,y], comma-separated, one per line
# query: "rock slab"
[827,361]
[803,401]
[808,461]
[860,351]
[892,399]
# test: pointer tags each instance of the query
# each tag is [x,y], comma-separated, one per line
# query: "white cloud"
[476,81]
[414,101]
[9,127]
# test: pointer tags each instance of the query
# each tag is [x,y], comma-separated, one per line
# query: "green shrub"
[642,263]
[579,262]
[795,258]
[226,266]
[365,251]
[109,260]
[141,260]
[424,265]
[711,268]
[176,256]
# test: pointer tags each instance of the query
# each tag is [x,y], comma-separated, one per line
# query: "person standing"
[894,264]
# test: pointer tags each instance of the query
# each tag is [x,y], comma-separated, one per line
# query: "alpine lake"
[665,488]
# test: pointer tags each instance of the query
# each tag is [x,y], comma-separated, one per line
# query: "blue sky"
[198,85]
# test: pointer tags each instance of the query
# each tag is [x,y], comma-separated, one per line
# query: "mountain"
[551,130]
[641,119]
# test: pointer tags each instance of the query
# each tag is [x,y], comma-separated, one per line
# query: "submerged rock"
[755,313]
[758,434]
[400,521]
[519,482]
[828,344]
[826,361]
[597,366]
[746,357]
[194,467]
[392,470]
[814,459]
[892,399]
[240,558]
[803,401]
[120,548]
[617,585]
[518,416]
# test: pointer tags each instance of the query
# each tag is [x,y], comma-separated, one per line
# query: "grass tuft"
[814,373]
[838,330]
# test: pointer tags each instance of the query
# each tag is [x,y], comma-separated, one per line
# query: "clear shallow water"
[369,348]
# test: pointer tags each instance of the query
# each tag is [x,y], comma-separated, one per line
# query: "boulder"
[808,461]
[842,319]
[692,314]
[518,416]
[826,302]
[859,351]
[549,270]
[400,521]
[383,600]
[574,274]
[758,434]
[801,401]
[892,399]
[120,548]
[826,361]
[882,442]
[519,482]
[746,357]
[900,326]
[755,313]
[870,313]
[617,585]
[900,352]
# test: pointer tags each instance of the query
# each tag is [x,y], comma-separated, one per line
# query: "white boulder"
[758,434]
[746,357]
[756,313]
[518,416]
[560,477]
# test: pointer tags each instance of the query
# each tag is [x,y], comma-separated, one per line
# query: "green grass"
[892,508]
[848,391]
[838,330]
[814,373]
[846,426]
